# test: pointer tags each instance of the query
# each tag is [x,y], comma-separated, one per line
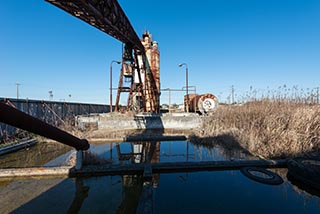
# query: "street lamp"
[187,102]
[118,62]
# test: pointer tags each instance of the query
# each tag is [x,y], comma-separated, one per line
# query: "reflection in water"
[130,194]
[131,191]
[155,152]
[301,187]
[200,192]
[227,192]
[135,186]
[38,155]
[168,151]
[219,151]
[80,195]
[132,185]
[137,152]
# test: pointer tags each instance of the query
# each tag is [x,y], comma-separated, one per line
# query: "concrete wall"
[179,121]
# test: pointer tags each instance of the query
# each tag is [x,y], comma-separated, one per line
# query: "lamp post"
[187,102]
[118,62]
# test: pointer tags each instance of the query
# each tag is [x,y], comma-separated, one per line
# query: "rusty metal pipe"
[19,119]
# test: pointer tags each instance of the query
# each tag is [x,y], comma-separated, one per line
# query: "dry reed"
[271,129]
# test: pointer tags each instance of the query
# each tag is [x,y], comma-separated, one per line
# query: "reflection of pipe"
[187,151]
[80,195]
[111,151]
[19,119]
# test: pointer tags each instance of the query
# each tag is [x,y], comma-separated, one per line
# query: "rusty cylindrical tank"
[204,103]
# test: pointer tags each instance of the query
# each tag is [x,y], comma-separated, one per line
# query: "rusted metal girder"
[106,15]
[19,119]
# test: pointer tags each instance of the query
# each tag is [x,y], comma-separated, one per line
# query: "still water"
[197,192]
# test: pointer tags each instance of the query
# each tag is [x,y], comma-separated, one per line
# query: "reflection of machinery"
[131,191]
[140,152]
[136,186]
[204,103]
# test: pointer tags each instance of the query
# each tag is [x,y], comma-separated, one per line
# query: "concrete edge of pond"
[35,172]
[102,170]
[155,138]
[16,147]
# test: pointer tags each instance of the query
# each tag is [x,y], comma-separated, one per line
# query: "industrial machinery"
[140,69]
[203,104]
[142,77]
[140,60]
[140,65]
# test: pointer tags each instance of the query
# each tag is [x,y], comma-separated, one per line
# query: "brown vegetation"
[271,129]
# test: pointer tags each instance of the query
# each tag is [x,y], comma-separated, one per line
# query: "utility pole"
[17,87]
[50,95]
[118,62]
[232,94]
[169,91]
[187,94]
[169,100]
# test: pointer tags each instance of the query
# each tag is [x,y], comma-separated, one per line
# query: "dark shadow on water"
[131,190]
[300,186]
[229,144]
[38,155]
[55,200]
[117,194]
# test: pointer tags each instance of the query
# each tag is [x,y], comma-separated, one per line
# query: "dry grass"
[268,128]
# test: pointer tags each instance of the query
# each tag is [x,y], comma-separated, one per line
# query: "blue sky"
[260,43]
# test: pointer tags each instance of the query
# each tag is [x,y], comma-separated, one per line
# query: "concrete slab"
[178,121]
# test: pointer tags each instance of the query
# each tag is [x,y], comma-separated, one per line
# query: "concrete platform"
[178,121]
[107,169]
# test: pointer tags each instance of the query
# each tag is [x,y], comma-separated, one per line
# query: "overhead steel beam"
[106,15]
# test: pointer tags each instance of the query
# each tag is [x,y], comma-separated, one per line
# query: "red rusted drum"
[204,103]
